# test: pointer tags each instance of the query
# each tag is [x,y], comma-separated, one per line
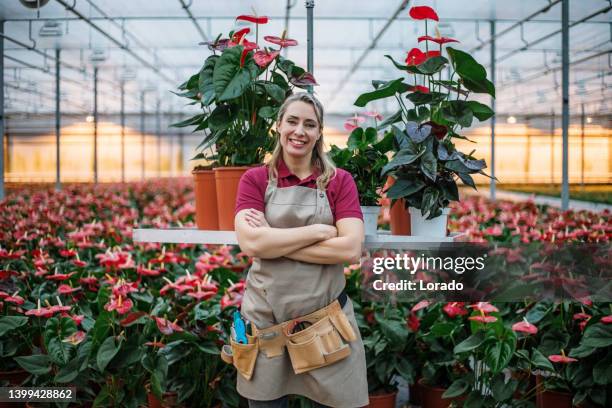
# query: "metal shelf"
[196,236]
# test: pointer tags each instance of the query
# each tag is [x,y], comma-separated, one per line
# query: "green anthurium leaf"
[470,343]
[406,369]
[275,91]
[394,331]
[458,112]
[205,80]
[280,80]
[457,388]
[396,117]
[107,351]
[540,361]
[498,356]
[384,91]
[449,187]
[355,139]
[221,118]
[404,187]
[598,335]
[37,364]
[194,120]
[420,98]
[602,371]
[68,372]
[402,158]
[430,206]
[432,65]
[429,165]
[480,110]
[473,75]
[537,313]
[442,329]
[410,68]
[582,351]
[503,391]
[230,80]
[370,136]
[267,112]
[385,144]
[8,323]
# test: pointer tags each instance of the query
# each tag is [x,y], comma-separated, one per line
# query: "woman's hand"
[256,219]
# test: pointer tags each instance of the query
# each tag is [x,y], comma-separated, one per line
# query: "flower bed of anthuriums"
[83,305]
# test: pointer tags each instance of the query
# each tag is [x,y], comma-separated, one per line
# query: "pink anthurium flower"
[281,41]
[75,338]
[524,327]
[437,40]
[606,319]
[16,299]
[422,13]
[421,305]
[484,307]
[561,358]
[374,114]
[353,123]
[118,303]
[453,309]
[155,344]
[581,316]
[264,58]
[483,319]
[64,289]
[166,326]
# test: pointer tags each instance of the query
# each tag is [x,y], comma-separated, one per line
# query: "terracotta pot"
[205,199]
[169,400]
[399,218]
[14,377]
[414,392]
[431,397]
[550,398]
[226,179]
[382,400]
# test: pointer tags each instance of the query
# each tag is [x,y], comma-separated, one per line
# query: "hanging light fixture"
[511,120]
[33,4]
[51,29]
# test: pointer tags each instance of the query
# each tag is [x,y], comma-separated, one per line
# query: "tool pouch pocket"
[319,345]
[242,356]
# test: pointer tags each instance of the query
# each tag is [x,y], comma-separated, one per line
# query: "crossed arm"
[316,243]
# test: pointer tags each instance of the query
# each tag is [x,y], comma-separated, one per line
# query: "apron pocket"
[306,356]
[342,324]
[244,357]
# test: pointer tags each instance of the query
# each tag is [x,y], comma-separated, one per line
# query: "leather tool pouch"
[242,356]
[321,344]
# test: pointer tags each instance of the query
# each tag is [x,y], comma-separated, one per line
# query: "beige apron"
[281,289]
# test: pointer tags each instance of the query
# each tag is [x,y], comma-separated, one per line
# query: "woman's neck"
[299,166]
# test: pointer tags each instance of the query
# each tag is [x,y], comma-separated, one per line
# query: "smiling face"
[299,130]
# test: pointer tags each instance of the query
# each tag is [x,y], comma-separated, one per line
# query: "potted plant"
[240,91]
[426,163]
[364,157]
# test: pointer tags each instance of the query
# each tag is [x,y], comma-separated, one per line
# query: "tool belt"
[323,342]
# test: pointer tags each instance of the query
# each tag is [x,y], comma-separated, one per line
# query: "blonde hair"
[319,160]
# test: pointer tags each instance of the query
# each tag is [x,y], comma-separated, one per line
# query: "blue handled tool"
[240,328]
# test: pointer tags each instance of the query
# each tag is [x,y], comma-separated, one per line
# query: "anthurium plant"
[432,112]
[240,88]
[364,157]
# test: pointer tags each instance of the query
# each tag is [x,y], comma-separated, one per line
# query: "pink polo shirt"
[341,190]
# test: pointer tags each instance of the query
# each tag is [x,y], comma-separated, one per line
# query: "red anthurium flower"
[16,299]
[483,319]
[439,131]
[60,308]
[155,344]
[142,271]
[75,338]
[123,288]
[417,57]
[606,319]
[422,13]
[45,312]
[419,88]
[78,263]
[64,289]
[484,307]
[524,327]
[453,309]
[238,35]
[561,358]
[6,273]
[581,316]
[3,294]
[283,42]
[118,303]
[131,318]
[59,276]
[237,287]
[421,305]
[231,299]
[67,253]
[413,322]
[77,319]
[306,79]
[437,40]
[166,326]
[263,58]
[253,19]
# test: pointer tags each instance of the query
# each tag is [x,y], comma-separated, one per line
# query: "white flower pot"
[370,219]
[436,227]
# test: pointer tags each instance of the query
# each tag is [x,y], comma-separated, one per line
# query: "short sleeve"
[252,190]
[346,203]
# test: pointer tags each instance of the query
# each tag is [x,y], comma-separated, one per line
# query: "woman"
[299,217]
